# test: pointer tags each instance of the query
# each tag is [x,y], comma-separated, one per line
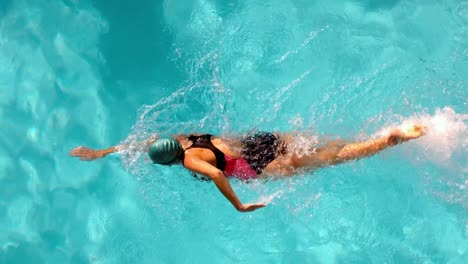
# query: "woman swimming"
[255,155]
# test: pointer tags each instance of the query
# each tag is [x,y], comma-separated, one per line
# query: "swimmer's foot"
[400,135]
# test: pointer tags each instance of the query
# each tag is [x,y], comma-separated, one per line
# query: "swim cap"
[164,150]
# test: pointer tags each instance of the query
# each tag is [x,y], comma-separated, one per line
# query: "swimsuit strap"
[204,141]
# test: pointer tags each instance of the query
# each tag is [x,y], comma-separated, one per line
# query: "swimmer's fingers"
[85,153]
[421,129]
[79,151]
[403,134]
[250,207]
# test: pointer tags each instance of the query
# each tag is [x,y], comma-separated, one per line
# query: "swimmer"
[255,155]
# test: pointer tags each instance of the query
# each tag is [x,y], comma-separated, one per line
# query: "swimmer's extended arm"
[203,167]
[85,153]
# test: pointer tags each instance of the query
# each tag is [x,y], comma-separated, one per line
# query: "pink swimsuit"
[239,168]
[258,150]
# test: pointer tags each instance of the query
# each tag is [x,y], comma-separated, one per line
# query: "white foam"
[444,147]
[446,134]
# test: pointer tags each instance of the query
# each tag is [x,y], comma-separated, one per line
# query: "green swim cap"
[165,150]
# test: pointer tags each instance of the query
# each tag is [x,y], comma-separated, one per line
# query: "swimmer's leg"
[336,152]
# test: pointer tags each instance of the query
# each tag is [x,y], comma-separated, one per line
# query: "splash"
[440,155]
[303,143]
[446,134]
[267,199]
[445,146]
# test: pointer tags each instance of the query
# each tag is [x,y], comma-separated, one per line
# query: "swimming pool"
[98,73]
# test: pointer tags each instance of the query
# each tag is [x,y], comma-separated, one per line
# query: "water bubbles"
[446,134]
[268,198]
[440,155]
[303,144]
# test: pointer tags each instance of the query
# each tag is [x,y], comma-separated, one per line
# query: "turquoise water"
[99,73]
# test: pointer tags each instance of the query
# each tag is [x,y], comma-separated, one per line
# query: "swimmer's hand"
[85,153]
[249,207]
[403,134]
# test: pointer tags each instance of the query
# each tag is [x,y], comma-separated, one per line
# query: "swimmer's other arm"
[218,177]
